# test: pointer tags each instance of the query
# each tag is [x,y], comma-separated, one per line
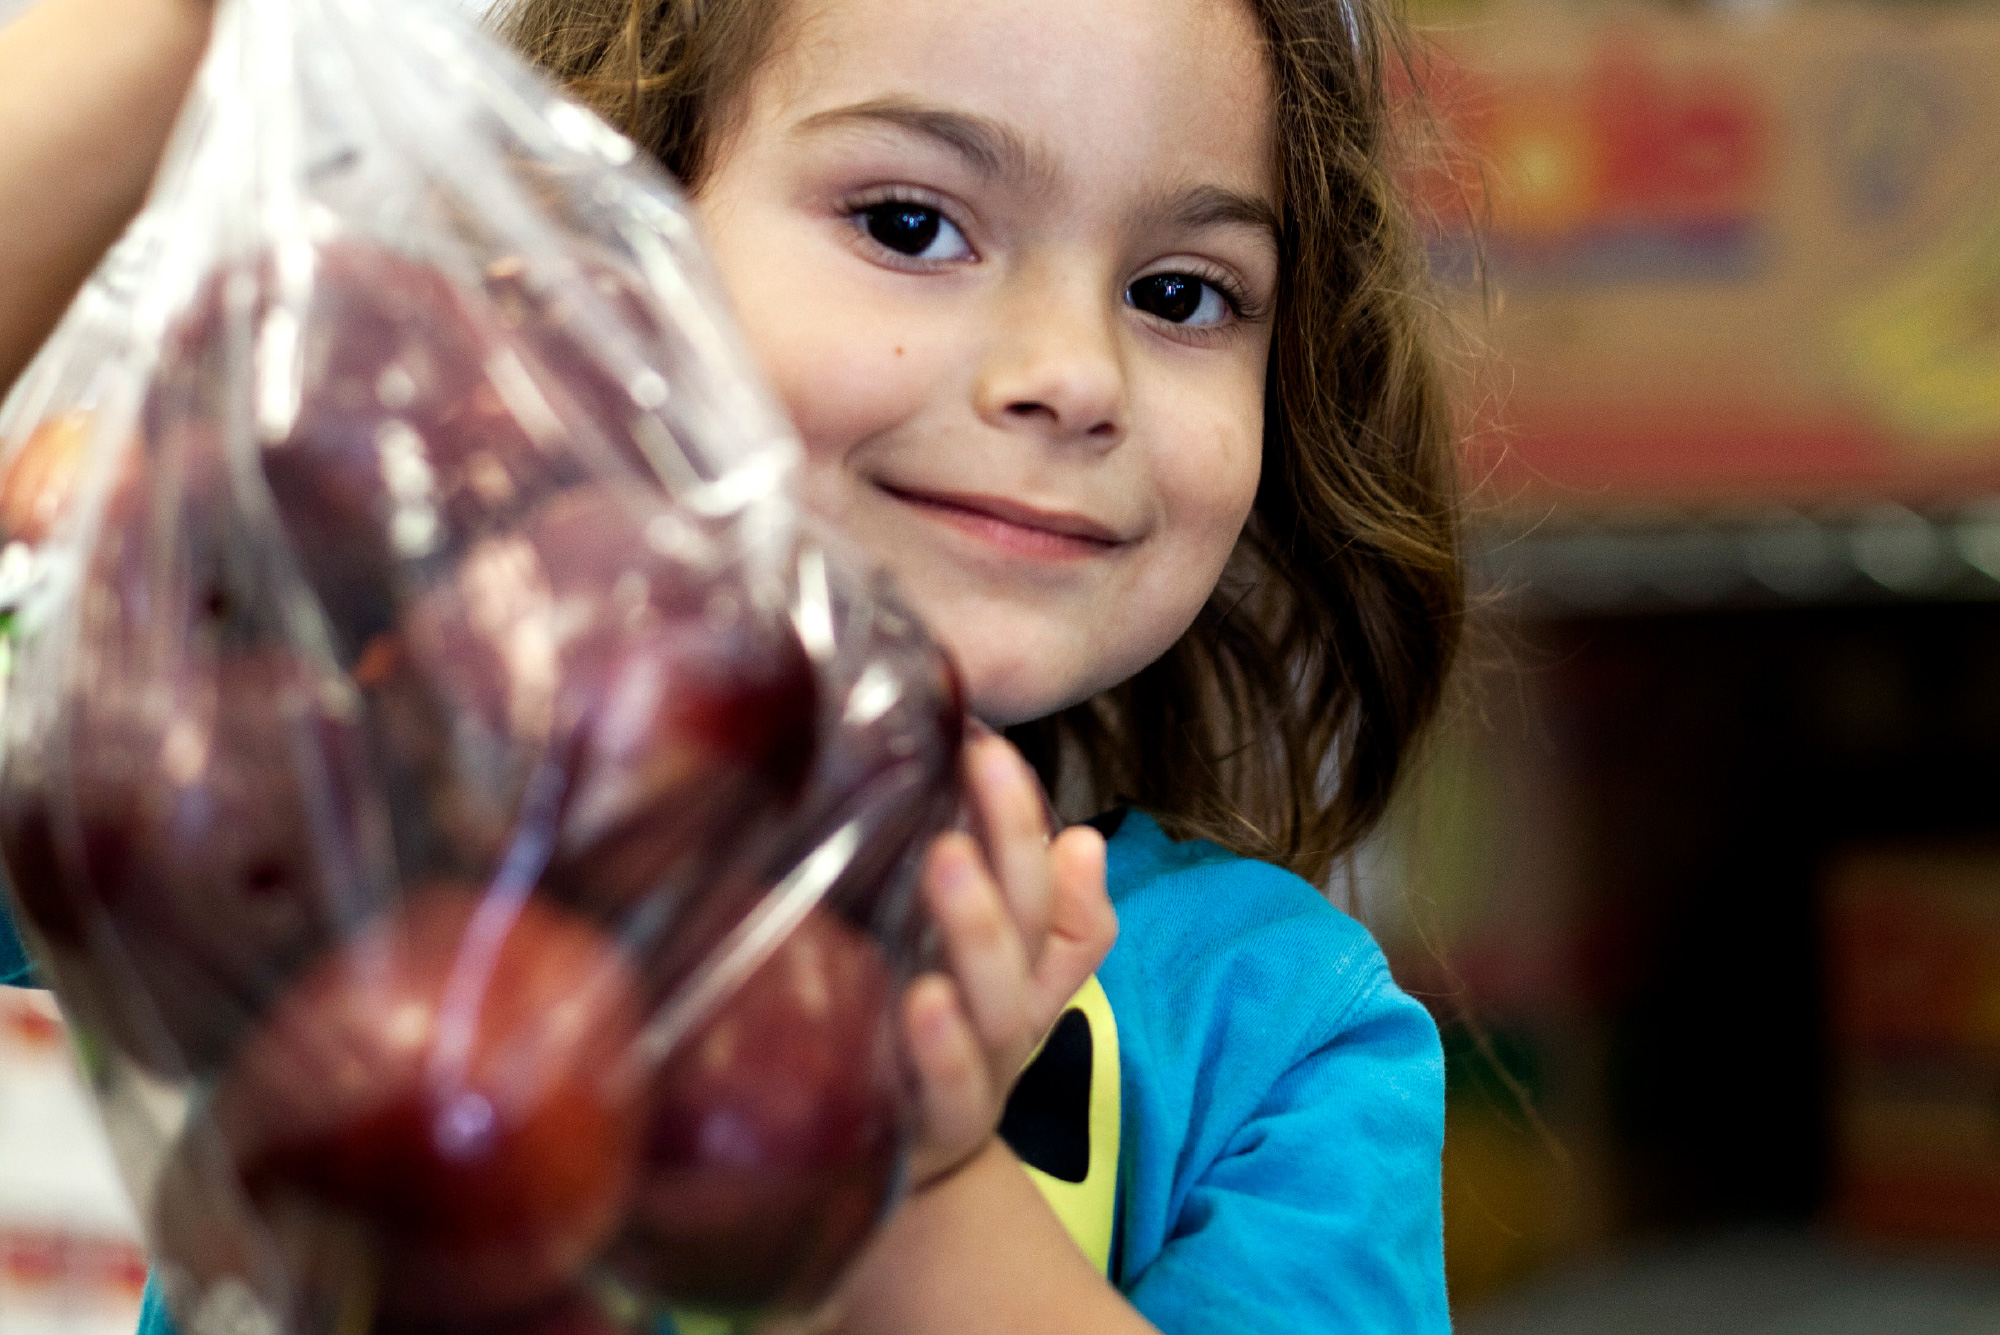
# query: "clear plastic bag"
[49,422]
[467,816]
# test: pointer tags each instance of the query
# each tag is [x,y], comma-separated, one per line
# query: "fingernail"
[936,1023]
[997,766]
[954,873]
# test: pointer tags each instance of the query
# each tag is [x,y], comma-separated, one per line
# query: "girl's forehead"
[1179,87]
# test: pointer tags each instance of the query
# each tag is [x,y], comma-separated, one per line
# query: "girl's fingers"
[970,1033]
[982,945]
[1082,924]
[1008,799]
[955,1089]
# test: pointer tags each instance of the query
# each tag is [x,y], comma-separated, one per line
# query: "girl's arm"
[88,94]
[981,1253]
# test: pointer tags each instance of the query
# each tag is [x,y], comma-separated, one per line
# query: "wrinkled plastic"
[467,816]
[48,421]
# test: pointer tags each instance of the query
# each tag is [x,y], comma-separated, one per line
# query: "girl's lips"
[1014,528]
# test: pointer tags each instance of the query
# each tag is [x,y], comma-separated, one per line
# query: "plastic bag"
[467,817]
[48,420]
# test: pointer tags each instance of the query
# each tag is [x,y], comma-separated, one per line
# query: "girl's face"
[1009,264]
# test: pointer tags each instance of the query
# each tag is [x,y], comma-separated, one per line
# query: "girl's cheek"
[846,364]
[776,271]
[1211,456]
[852,370]
[840,390]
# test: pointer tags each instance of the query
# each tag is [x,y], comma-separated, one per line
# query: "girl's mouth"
[1019,530]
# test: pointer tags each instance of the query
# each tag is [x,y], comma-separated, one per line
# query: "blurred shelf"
[1662,562]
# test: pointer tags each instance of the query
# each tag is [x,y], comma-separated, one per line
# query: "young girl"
[1100,324]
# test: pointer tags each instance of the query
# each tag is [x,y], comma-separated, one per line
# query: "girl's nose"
[1054,366]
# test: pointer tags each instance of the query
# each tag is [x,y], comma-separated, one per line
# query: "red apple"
[190,823]
[695,737]
[525,630]
[454,794]
[684,714]
[395,416]
[773,1142]
[404,445]
[446,1093]
[193,836]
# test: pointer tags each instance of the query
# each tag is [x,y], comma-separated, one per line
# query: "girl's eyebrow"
[987,146]
[995,150]
[1213,206]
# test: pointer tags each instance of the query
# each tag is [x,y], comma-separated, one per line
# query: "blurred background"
[69,1260]
[1702,875]
[1703,878]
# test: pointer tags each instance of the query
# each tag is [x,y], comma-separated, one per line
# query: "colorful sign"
[1728,261]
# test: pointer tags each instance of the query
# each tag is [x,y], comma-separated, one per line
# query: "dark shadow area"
[1718,761]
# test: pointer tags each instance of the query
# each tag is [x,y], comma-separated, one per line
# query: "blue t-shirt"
[1280,1117]
[14,970]
[1282,1104]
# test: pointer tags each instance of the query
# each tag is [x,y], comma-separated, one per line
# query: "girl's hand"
[1025,920]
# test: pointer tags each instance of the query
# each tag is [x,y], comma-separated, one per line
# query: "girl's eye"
[916,230]
[1179,298]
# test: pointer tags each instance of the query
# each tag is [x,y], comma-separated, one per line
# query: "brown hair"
[1277,726]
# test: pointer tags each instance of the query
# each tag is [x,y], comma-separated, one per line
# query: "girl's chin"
[1002,706]
[1003,695]
[1001,715]
[1016,665]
